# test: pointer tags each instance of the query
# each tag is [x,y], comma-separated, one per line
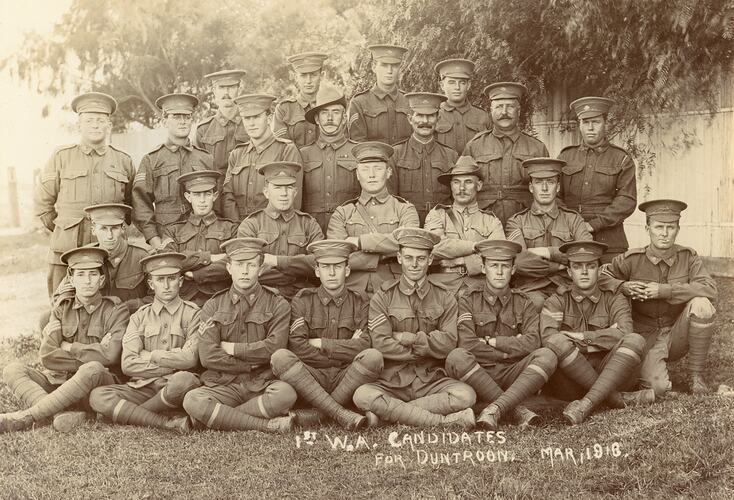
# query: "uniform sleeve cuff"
[240,350]
[666,291]
[327,346]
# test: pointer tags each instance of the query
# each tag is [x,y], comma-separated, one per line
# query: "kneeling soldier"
[241,329]
[413,323]
[499,340]
[672,298]
[80,342]
[589,327]
[329,341]
[200,237]
[159,345]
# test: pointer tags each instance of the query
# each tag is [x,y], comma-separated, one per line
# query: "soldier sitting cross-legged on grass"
[158,347]
[81,341]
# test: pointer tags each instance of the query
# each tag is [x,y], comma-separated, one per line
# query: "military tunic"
[160,340]
[257,322]
[458,125]
[242,192]
[375,115]
[372,218]
[288,234]
[329,177]
[124,277]
[198,238]
[599,183]
[500,158]
[430,312]
[75,177]
[416,167]
[219,135]
[289,122]
[533,228]
[157,198]
[95,332]
[457,241]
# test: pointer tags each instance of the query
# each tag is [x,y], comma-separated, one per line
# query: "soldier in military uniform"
[157,197]
[541,229]
[328,164]
[289,118]
[460,225]
[672,298]
[420,159]
[598,179]
[381,113]
[459,120]
[223,130]
[242,192]
[589,327]
[329,354]
[199,238]
[80,350]
[413,323]
[241,329]
[369,220]
[77,176]
[499,351]
[288,231]
[501,151]
[159,346]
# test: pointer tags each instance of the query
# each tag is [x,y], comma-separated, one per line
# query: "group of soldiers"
[241,314]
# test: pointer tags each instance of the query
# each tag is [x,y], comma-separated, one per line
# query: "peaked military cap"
[254,104]
[226,77]
[663,210]
[177,103]
[387,53]
[199,180]
[280,173]
[94,102]
[583,251]
[163,264]
[415,237]
[589,107]
[243,248]
[455,68]
[543,167]
[84,257]
[425,103]
[307,62]
[505,90]
[372,151]
[497,249]
[331,251]
[108,214]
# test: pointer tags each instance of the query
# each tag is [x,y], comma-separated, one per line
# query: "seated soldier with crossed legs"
[81,341]
[589,327]
[329,343]
[413,323]
[159,345]
[241,329]
[499,340]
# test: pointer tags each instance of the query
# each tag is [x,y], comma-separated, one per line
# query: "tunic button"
[333,321]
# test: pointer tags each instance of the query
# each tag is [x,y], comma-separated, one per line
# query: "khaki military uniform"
[157,196]
[686,295]
[124,277]
[199,238]
[416,167]
[75,177]
[329,177]
[242,192]
[456,126]
[599,183]
[372,219]
[375,115]
[289,122]
[500,158]
[219,135]
[158,348]
[533,228]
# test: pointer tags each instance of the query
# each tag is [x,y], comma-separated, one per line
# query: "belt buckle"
[462,271]
[499,194]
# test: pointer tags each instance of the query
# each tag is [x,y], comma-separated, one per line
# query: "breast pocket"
[444,126]
[115,181]
[534,237]
[486,161]
[428,319]
[605,178]
[356,226]
[227,326]
[561,236]
[256,325]
[484,324]
[74,185]
[403,319]
[297,244]
[165,187]
[316,326]
[150,337]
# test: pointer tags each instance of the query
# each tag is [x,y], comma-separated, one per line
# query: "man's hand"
[405,338]
[189,275]
[155,356]
[270,260]
[155,243]
[227,347]
[634,289]
[216,257]
[66,346]
[589,227]
[573,335]
[353,239]
[651,290]
[315,342]
[542,252]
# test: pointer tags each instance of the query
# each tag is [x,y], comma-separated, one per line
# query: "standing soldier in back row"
[459,120]
[157,199]
[289,118]
[381,113]
[78,176]
[328,164]
[598,180]
[501,151]
[222,131]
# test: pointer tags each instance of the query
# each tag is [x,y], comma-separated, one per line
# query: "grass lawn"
[681,447]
